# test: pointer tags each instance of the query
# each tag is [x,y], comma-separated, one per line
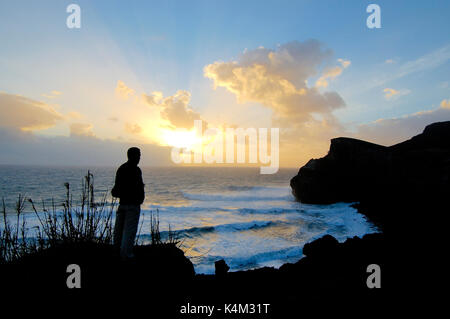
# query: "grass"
[173,237]
[68,223]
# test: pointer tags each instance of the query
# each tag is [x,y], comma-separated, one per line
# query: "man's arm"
[141,187]
[115,192]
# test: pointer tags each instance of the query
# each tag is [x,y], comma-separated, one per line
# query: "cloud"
[278,79]
[389,61]
[26,114]
[133,128]
[81,129]
[174,108]
[21,116]
[123,91]
[445,104]
[424,63]
[389,93]
[74,115]
[52,95]
[25,148]
[332,73]
[394,130]
[344,63]
[394,94]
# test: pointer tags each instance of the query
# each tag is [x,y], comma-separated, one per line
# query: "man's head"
[134,155]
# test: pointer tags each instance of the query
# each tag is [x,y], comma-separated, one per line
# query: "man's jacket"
[129,186]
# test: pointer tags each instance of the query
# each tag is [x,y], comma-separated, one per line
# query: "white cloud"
[391,94]
[332,73]
[174,108]
[424,63]
[277,79]
[123,91]
[52,94]
[445,104]
[344,63]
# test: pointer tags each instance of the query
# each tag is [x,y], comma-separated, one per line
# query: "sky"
[140,72]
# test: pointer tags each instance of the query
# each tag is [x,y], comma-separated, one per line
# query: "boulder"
[221,268]
[322,246]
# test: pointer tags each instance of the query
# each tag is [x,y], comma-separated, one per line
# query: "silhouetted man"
[129,187]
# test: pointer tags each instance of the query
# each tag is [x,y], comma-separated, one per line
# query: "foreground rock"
[161,280]
[157,267]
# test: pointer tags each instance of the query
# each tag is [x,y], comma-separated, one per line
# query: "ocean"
[236,214]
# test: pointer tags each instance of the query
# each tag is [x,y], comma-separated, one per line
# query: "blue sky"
[165,45]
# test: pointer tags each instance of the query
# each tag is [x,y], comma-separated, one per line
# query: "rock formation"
[416,170]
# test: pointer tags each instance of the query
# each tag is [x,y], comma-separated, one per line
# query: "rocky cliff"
[353,170]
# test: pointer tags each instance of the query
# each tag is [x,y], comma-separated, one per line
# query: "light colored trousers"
[125,228]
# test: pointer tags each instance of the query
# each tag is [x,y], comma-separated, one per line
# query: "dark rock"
[221,268]
[324,245]
[403,189]
[158,266]
[331,273]
[350,166]
[383,179]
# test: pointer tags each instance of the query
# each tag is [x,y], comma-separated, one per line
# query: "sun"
[181,138]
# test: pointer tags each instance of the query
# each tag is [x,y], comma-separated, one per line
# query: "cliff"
[358,171]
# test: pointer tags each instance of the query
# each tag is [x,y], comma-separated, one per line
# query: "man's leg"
[129,230]
[118,226]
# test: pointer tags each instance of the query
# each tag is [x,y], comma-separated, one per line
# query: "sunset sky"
[136,71]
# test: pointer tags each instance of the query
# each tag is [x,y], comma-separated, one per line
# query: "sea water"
[236,214]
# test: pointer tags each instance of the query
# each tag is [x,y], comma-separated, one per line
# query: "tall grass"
[89,221]
[13,243]
[86,221]
[173,237]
